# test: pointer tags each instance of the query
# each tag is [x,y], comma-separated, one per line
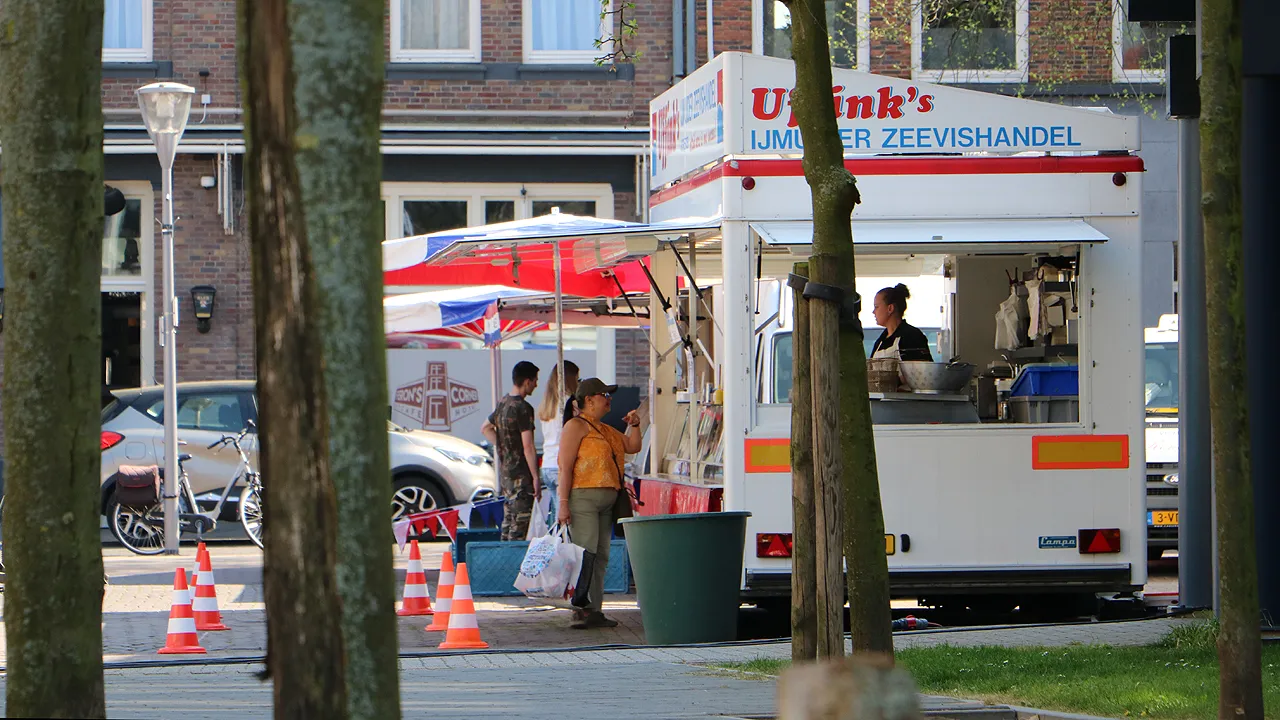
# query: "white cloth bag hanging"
[551,566]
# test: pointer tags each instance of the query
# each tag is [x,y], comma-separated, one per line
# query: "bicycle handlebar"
[233,439]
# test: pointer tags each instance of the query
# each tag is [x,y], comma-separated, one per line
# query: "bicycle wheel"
[251,511]
[139,530]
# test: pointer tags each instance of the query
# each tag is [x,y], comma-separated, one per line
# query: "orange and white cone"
[417,599]
[181,638]
[205,601]
[194,575]
[444,594]
[464,631]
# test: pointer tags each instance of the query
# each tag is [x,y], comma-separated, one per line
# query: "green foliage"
[621,44]
[963,40]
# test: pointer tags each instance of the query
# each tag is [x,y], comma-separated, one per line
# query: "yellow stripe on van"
[1079,452]
[768,455]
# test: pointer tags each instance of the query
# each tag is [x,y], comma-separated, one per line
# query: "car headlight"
[1171,479]
[458,457]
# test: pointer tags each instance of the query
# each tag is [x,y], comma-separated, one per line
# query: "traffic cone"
[194,576]
[444,594]
[464,631]
[205,602]
[417,599]
[181,639]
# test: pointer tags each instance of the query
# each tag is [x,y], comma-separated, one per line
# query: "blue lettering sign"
[1070,142]
[983,134]
[1039,137]
[862,138]
[889,135]
[965,135]
[1056,136]
[1002,137]
[1021,136]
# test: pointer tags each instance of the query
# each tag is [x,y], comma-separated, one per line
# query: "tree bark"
[804,570]
[1239,639]
[824,352]
[337,47]
[834,194]
[51,132]
[305,654]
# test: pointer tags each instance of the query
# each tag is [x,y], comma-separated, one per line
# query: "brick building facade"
[496,112]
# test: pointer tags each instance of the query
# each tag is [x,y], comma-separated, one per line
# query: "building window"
[126,31]
[847,31]
[435,30]
[970,40]
[1140,47]
[122,241]
[421,208]
[565,31]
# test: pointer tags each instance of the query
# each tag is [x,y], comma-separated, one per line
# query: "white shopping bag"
[551,566]
[538,520]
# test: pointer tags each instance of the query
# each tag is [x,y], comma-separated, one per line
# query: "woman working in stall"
[900,340]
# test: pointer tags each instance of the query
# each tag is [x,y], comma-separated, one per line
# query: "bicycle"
[141,529]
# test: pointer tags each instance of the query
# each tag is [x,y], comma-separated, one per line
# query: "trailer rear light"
[773,545]
[110,439]
[1099,540]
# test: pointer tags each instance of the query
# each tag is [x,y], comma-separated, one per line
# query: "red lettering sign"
[885,104]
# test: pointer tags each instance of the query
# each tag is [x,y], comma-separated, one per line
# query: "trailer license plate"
[1164,518]
[890,546]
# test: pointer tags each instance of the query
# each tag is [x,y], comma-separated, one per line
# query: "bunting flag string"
[489,512]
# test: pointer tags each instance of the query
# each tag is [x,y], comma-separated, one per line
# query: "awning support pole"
[559,325]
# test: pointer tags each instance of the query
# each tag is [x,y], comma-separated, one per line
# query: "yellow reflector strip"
[1080,452]
[890,544]
[768,455]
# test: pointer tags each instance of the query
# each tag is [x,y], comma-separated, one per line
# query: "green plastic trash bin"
[688,572]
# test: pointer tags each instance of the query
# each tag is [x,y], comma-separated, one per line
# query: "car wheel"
[415,494]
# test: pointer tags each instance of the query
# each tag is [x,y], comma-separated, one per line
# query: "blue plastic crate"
[1047,379]
[466,536]
[493,566]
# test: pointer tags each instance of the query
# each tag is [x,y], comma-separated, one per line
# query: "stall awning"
[521,253]
[943,235]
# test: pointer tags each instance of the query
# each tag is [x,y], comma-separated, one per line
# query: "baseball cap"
[593,386]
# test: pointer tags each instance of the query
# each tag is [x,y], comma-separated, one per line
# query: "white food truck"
[1026,487]
[1017,222]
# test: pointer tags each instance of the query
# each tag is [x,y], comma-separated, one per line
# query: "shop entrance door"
[121,340]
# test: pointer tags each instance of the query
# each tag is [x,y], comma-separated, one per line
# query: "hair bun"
[902,289]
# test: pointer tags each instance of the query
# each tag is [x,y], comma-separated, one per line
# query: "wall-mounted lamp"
[202,301]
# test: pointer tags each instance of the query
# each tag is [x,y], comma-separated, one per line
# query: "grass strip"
[1176,679]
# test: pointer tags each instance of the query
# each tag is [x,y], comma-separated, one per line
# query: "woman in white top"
[552,413]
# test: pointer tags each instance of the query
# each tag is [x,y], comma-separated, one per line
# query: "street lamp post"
[165,107]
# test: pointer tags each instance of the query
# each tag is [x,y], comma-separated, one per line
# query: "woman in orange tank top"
[591,459]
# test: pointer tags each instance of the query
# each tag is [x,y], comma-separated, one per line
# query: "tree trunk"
[804,571]
[51,132]
[834,194]
[305,655]
[1239,640]
[337,45]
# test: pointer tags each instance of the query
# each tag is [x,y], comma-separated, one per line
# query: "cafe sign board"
[740,105]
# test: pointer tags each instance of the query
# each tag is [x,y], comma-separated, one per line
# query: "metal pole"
[1195,449]
[1260,184]
[559,326]
[169,338]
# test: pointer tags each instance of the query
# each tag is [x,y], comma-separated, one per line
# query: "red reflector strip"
[1099,540]
[775,545]
[110,439]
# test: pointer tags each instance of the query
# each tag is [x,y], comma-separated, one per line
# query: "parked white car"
[429,470]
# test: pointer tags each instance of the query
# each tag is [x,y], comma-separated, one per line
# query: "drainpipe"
[677,40]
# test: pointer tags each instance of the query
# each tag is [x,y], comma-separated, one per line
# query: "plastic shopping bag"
[538,520]
[550,566]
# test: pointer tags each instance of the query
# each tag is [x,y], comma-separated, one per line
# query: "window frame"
[863,54]
[564,57]
[1118,71]
[143,54]
[470,54]
[1021,52]
[476,194]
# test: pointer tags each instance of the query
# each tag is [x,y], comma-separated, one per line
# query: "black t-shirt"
[912,344]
